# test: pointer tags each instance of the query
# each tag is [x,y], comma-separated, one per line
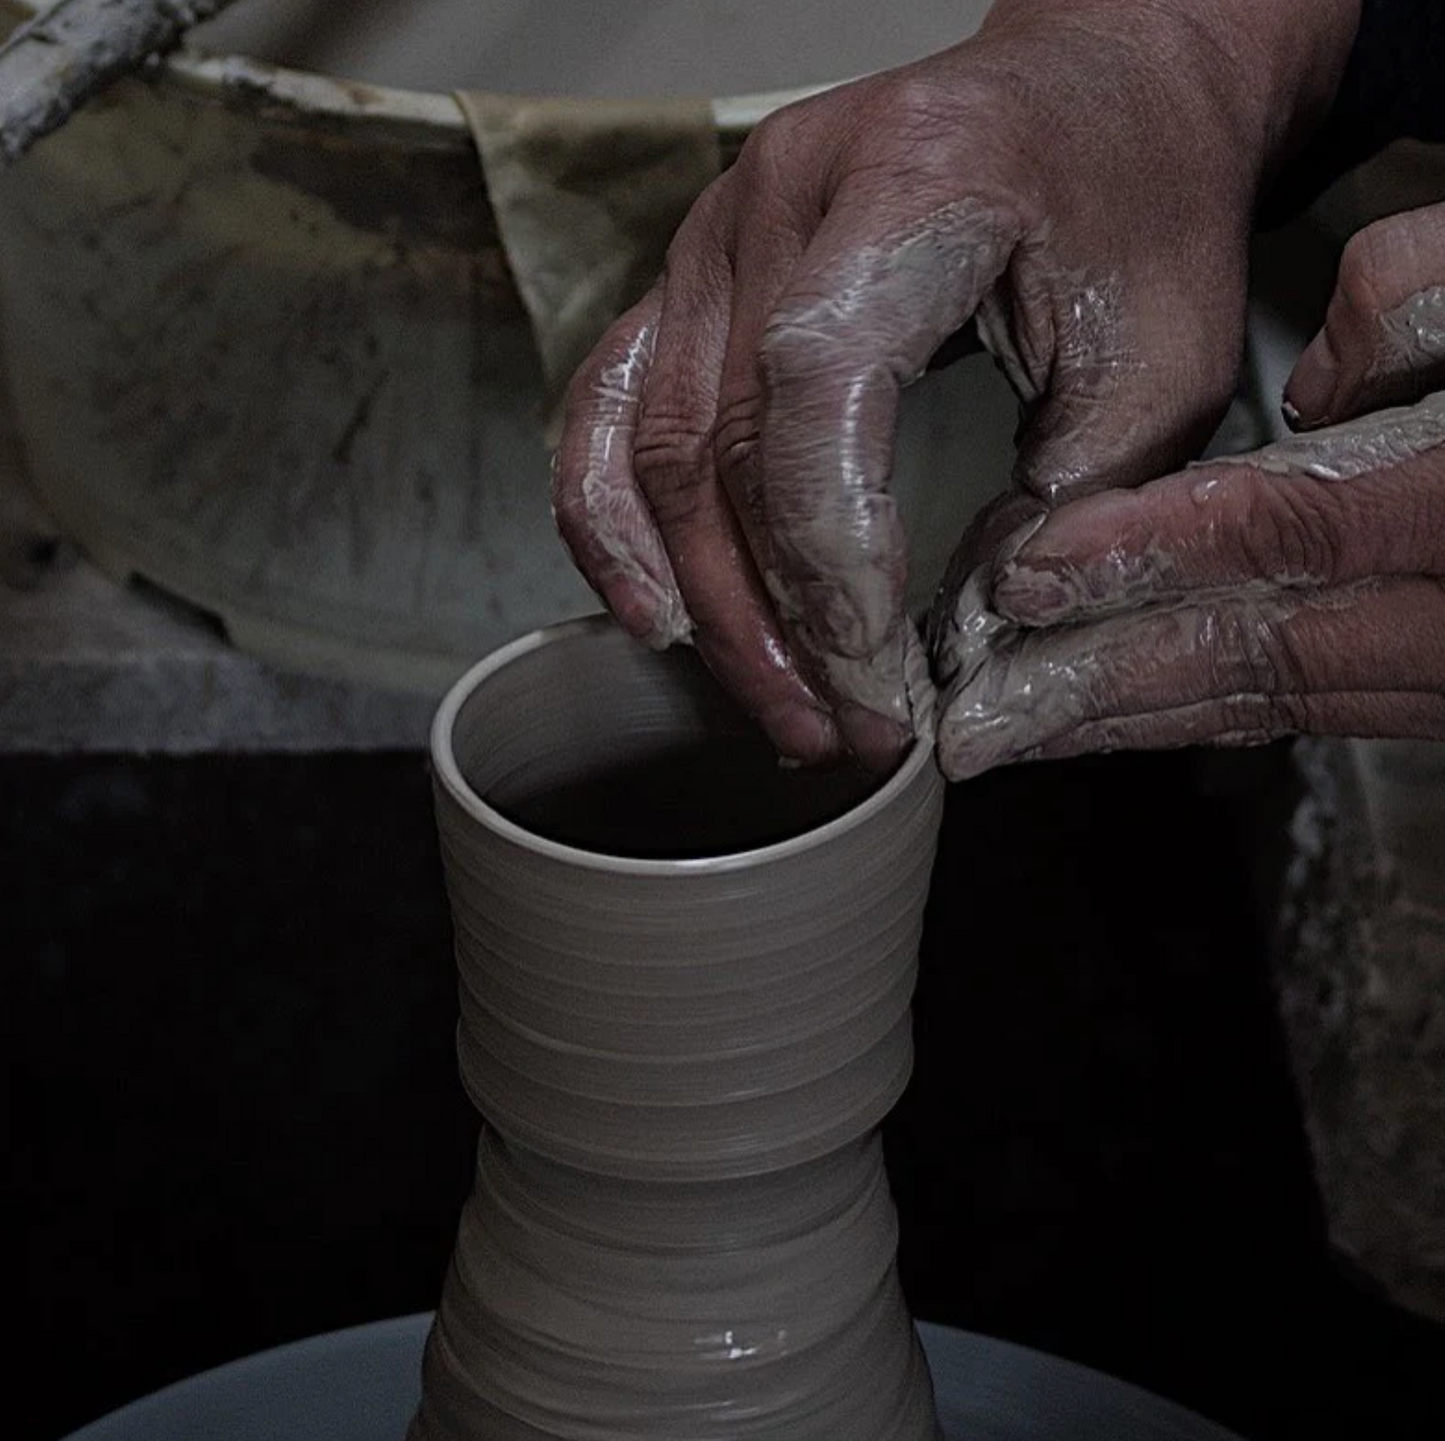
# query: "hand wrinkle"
[618,520]
[1071,350]
[1090,342]
[1354,448]
[1010,702]
[1412,336]
[833,545]
[967,241]
[891,682]
[966,638]
[621,526]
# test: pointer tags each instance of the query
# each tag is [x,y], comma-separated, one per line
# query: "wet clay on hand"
[685,979]
[724,469]
[1293,589]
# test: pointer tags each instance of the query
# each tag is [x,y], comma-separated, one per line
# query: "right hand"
[1298,588]
[1078,179]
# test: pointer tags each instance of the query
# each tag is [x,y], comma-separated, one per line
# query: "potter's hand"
[1300,588]
[1077,179]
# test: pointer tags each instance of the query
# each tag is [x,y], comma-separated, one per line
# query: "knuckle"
[923,102]
[1256,718]
[1285,715]
[768,163]
[696,245]
[1289,534]
[1397,253]
[796,345]
[568,507]
[1239,718]
[737,436]
[1364,265]
[1288,714]
[1243,652]
[671,458]
[1425,532]
[773,136]
[1282,667]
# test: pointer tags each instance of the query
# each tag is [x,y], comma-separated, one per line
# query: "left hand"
[1297,589]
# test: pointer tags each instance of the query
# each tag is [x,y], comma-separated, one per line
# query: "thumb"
[1129,392]
[1383,341]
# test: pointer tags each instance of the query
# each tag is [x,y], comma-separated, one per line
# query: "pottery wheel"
[362,1385]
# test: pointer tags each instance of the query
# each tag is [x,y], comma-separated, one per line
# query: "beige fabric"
[587,194]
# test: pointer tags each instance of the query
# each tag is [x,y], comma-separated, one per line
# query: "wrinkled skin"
[1300,588]
[1076,182]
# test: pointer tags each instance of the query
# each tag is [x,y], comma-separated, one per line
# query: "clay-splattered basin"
[266,350]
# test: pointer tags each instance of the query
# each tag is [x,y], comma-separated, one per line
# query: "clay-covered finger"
[963,619]
[1138,672]
[768,248]
[601,514]
[1256,720]
[1129,386]
[1383,340]
[868,304]
[1365,498]
[734,627]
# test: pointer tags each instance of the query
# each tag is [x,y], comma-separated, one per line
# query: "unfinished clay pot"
[685,978]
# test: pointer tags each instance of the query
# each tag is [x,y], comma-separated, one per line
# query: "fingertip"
[877,742]
[957,762]
[969,749]
[1025,583]
[802,734]
[1016,542]
[1034,597]
[1309,392]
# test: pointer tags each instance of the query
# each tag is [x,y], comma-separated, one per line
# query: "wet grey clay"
[685,975]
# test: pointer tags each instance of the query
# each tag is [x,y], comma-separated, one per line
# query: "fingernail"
[970,745]
[803,736]
[1290,413]
[670,626]
[1025,591]
[1009,551]
[877,742]
[1312,383]
[1034,597]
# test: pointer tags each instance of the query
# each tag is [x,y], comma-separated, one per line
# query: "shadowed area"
[236,1120]
[713,798]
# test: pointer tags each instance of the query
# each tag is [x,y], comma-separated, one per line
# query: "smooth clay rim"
[449,773]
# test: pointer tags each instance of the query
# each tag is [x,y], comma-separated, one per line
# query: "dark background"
[235,1118]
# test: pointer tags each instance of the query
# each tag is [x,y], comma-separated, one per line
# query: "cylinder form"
[684,984]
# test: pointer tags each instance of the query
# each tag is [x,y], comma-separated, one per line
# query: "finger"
[1120,384]
[735,630]
[859,319]
[1362,499]
[1383,341]
[768,251]
[600,512]
[1256,720]
[963,621]
[1135,672]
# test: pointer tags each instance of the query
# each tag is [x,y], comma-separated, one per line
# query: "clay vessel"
[685,976]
